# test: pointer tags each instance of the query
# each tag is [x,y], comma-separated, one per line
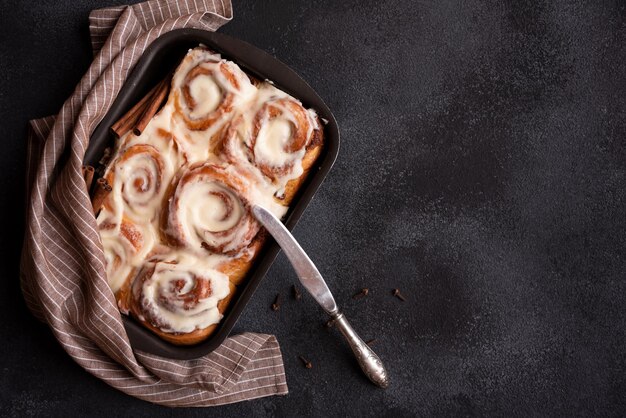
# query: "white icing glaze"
[206,93]
[166,292]
[271,142]
[203,213]
[207,211]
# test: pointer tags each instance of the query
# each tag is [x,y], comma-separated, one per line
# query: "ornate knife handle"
[368,360]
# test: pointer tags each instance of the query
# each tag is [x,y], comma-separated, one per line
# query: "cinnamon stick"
[88,172]
[130,118]
[154,104]
[103,188]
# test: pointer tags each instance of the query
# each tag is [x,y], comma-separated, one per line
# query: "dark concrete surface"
[482,172]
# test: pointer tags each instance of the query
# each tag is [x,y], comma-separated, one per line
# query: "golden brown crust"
[122,296]
[313,151]
[237,269]
[292,187]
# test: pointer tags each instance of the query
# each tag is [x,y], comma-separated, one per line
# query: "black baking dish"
[162,56]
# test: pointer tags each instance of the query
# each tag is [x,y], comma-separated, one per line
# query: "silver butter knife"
[313,282]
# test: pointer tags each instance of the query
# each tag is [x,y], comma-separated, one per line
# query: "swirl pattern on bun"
[178,297]
[208,209]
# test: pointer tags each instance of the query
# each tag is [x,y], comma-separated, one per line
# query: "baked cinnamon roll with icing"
[277,139]
[206,90]
[209,209]
[180,300]
[140,170]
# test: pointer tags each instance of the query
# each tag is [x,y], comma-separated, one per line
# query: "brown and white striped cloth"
[62,271]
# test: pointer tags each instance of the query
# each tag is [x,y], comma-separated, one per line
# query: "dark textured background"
[482,171]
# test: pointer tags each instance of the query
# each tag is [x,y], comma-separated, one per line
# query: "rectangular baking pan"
[162,56]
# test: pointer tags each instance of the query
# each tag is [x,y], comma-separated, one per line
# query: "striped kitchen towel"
[62,269]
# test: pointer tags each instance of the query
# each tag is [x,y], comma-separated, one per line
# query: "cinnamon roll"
[181,300]
[279,139]
[209,209]
[205,91]
[140,186]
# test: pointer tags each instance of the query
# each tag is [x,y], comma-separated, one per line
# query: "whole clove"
[370,342]
[306,362]
[330,323]
[396,293]
[364,292]
[296,292]
[276,304]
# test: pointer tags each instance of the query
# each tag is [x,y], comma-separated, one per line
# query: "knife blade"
[314,283]
[308,274]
